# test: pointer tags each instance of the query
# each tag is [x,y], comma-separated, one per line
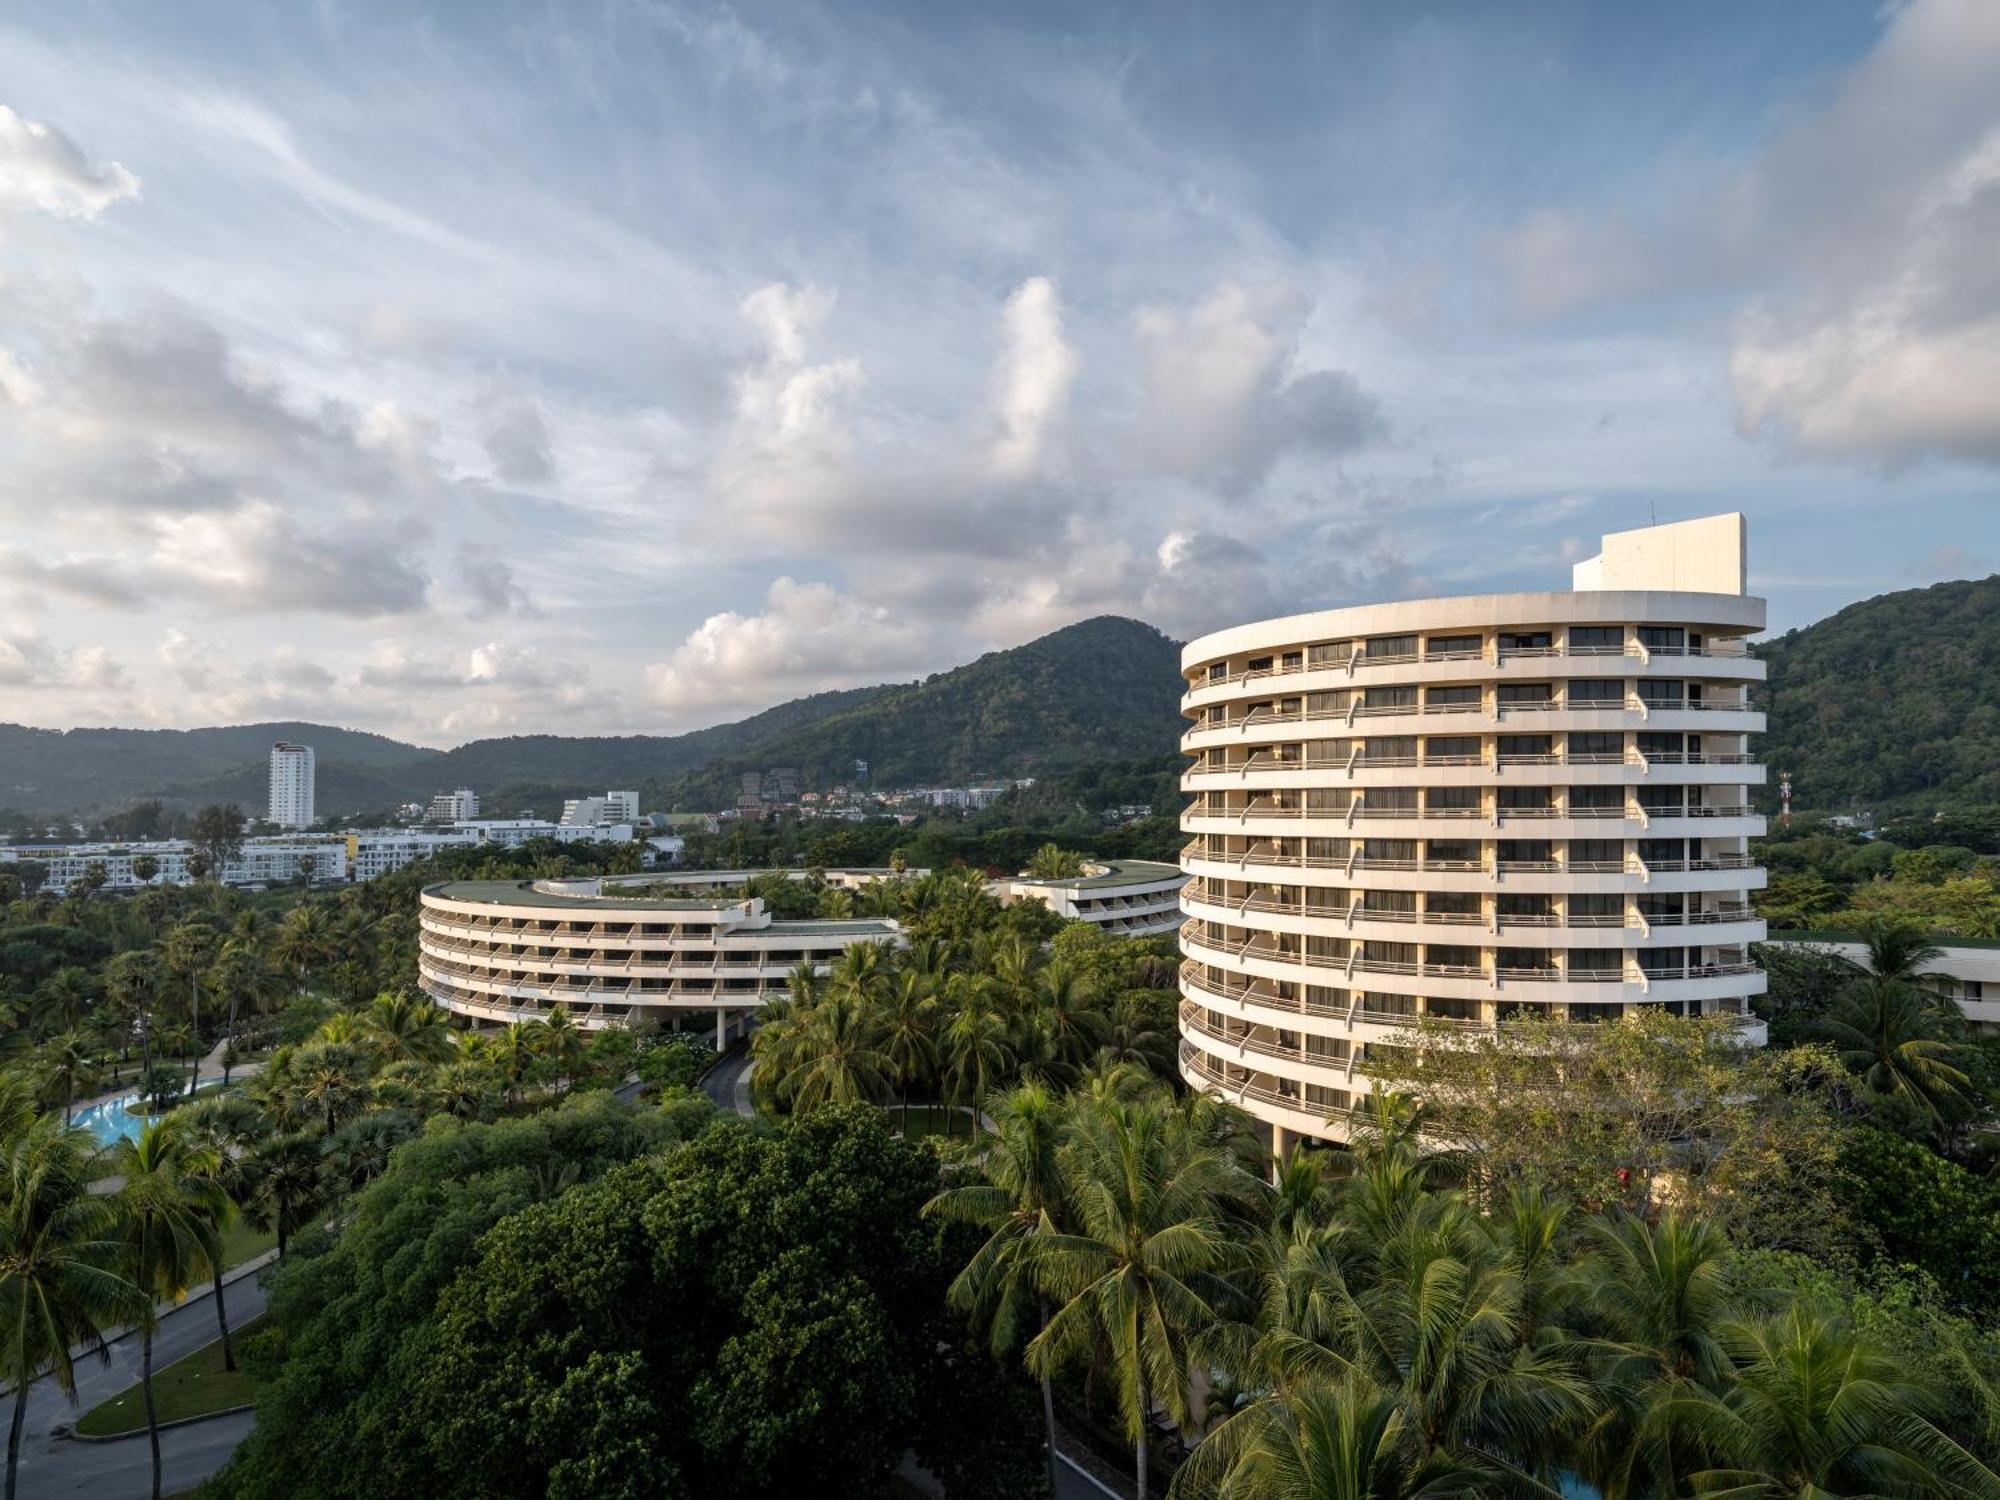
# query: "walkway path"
[62,1466]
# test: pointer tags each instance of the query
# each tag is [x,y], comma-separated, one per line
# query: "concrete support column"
[1281,1144]
[721,1029]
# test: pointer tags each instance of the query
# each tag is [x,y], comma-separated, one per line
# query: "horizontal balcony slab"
[1279,728]
[1487,930]
[1317,823]
[1456,669]
[1294,776]
[1294,870]
[1733,983]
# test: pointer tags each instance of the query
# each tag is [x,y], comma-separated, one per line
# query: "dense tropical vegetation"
[1891,702]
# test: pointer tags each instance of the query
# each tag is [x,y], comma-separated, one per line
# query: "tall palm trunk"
[14,1435]
[152,1416]
[1049,1409]
[222,1320]
[1139,1490]
[194,1030]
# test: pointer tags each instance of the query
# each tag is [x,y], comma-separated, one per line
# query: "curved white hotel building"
[514,950]
[1469,809]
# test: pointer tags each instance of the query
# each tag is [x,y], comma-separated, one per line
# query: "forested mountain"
[1892,702]
[47,771]
[1103,688]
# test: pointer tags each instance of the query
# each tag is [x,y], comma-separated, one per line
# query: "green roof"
[523,893]
[1116,872]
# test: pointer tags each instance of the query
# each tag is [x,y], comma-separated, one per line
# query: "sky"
[625,367]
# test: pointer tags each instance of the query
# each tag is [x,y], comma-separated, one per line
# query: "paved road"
[60,1466]
[728,1084]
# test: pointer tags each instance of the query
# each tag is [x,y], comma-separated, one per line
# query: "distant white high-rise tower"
[291,785]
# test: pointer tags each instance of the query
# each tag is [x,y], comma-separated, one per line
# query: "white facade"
[510,833]
[592,812]
[377,851]
[453,807]
[1129,897]
[261,861]
[292,775]
[503,951]
[1966,972]
[1462,810]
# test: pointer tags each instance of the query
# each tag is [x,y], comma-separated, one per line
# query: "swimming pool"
[118,1119]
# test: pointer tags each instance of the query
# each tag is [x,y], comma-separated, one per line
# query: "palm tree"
[70,1061]
[1655,1297]
[287,1181]
[218,1131]
[1143,1272]
[1053,862]
[66,997]
[1347,1440]
[303,941]
[1064,1009]
[909,1033]
[332,1077]
[409,1028]
[168,1232]
[519,1055]
[1897,1042]
[59,1277]
[1815,1412]
[561,1042]
[135,980]
[461,1089]
[842,1057]
[975,1042]
[1897,952]
[188,949]
[1131,1037]
[1021,1199]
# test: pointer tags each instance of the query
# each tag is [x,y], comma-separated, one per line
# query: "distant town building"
[453,807]
[291,799]
[781,784]
[594,812]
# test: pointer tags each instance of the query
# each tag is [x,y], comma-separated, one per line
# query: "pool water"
[120,1119]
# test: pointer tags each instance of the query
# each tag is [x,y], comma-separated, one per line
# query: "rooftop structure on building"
[1463,810]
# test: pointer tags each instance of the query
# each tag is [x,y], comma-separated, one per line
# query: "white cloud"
[1906,364]
[1857,245]
[1224,397]
[809,637]
[1037,368]
[33,661]
[41,168]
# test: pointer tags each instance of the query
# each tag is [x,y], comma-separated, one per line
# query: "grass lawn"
[190,1387]
[242,1242]
[929,1119]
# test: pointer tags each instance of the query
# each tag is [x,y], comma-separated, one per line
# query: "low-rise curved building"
[1128,897]
[1464,810]
[512,950]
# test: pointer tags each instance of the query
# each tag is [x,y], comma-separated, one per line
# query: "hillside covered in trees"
[1107,688]
[1103,688]
[1892,703]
